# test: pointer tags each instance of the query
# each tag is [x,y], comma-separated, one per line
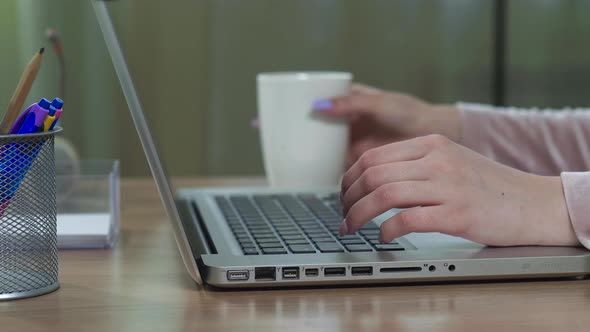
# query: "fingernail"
[343,228]
[322,105]
[254,123]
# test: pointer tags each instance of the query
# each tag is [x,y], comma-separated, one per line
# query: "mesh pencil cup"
[28,231]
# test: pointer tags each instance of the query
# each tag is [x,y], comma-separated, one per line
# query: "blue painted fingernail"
[343,230]
[255,123]
[322,105]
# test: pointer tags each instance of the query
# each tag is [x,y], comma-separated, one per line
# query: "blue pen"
[58,104]
[14,164]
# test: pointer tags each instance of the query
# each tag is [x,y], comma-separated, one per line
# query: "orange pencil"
[21,92]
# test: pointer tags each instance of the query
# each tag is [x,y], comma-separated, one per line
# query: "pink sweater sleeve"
[541,142]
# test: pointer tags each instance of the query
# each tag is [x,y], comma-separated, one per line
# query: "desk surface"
[142,286]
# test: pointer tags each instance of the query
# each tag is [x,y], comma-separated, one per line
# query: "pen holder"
[28,232]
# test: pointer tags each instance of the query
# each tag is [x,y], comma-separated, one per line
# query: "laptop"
[263,237]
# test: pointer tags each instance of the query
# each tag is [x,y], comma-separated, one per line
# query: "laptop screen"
[144,133]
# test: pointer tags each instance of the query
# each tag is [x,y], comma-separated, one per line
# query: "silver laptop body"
[291,238]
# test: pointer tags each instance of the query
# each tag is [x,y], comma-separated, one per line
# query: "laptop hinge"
[198,238]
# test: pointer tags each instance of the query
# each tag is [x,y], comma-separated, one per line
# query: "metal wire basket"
[28,231]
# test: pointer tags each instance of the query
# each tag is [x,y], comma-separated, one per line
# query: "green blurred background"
[195,61]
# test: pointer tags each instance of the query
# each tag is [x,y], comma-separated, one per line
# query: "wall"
[195,61]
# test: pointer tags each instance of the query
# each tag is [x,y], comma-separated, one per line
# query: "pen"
[54,113]
[34,119]
[43,103]
[21,92]
[58,102]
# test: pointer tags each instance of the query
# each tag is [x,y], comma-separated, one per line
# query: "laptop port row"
[293,272]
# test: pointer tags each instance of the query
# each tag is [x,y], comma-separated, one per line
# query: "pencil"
[21,92]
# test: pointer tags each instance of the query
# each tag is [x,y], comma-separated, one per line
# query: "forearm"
[544,143]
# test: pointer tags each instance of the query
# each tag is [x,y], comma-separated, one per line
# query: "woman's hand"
[453,190]
[378,117]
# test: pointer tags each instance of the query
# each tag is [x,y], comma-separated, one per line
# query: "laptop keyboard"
[295,224]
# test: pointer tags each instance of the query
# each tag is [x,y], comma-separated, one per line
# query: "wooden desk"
[142,286]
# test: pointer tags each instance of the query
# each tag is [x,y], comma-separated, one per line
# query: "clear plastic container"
[88,204]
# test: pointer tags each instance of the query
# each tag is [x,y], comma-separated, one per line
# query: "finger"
[391,195]
[255,123]
[380,175]
[394,152]
[358,88]
[418,220]
[348,106]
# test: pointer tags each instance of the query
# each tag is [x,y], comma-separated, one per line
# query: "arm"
[576,188]
[543,142]
[539,142]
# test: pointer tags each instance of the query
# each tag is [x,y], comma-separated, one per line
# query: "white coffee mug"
[300,146]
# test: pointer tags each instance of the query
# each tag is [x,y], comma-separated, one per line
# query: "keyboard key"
[287,229]
[312,228]
[348,237]
[319,235]
[291,242]
[281,224]
[379,242]
[388,247]
[353,241]
[370,231]
[323,239]
[302,249]
[294,237]
[372,236]
[358,247]
[260,229]
[245,244]
[274,251]
[254,220]
[289,233]
[329,247]
[264,236]
[250,251]
[271,240]
[271,245]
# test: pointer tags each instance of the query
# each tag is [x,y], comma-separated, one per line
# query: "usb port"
[290,273]
[334,272]
[237,275]
[311,272]
[362,271]
[265,273]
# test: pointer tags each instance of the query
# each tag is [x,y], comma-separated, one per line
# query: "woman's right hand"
[380,117]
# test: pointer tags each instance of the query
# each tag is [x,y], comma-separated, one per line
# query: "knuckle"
[368,159]
[436,141]
[407,221]
[370,179]
[387,194]
[380,99]
[457,217]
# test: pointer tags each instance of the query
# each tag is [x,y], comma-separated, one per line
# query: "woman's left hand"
[450,189]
